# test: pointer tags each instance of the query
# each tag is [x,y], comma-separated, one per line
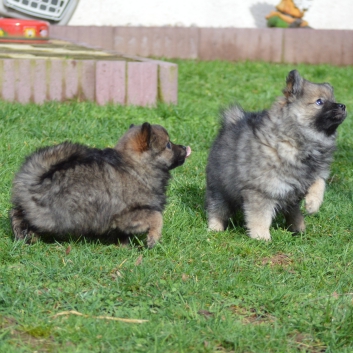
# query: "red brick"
[87,79]
[8,79]
[23,81]
[300,46]
[187,42]
[106,39]
[56,80]
[142,83]
[157,41]
[127,40]
[71,82]
[58,31]
[110,82]
[240,44]
[39,83]
[168,83]
[347,47]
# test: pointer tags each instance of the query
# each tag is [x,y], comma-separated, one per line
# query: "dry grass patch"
[279,259]
[252,316]
[36,338]
[306,343]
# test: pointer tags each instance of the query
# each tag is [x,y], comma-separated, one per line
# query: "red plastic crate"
[18,30]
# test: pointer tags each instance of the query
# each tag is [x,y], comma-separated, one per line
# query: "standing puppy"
[268,161]
[78,190]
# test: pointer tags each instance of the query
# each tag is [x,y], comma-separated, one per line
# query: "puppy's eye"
[319,102]
[169,145]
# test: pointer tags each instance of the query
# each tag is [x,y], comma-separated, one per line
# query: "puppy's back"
[64,185]
[37,166]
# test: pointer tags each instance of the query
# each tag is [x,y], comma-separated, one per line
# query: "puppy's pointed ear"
[145,137]
[327,85]
[294,84]
[132,125]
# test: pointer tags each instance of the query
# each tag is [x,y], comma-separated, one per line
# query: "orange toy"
[287,15]
[288,7]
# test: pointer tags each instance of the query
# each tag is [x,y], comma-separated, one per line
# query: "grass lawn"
[197,291]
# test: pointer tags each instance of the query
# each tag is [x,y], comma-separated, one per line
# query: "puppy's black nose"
[183,147]
[342,106]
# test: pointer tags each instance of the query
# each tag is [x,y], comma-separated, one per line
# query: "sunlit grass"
[199,291]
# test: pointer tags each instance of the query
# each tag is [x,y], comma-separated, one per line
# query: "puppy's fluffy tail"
[40,163]
[232,115]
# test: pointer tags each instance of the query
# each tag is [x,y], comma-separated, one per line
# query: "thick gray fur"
[268,161]
[78,190]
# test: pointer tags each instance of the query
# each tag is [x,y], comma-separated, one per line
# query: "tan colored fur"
[268,161]
[315,196]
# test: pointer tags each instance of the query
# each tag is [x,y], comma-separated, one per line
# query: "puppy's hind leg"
[155,228]
[20,227]
[258,215]
[218,214]
[315,196]
[295,219]
[141,221]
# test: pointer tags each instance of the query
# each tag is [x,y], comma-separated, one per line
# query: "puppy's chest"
[278,153]
[286,154]
[289,170]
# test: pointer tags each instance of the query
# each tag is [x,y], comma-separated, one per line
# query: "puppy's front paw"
[312,204]
[263,234]
[297,228]
[315,196]
[214,224]
[151,242]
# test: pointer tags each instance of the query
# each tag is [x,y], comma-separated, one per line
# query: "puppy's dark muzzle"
[341,111]
[341,106]
[181,153]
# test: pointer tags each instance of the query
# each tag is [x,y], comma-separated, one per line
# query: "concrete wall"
[322,14]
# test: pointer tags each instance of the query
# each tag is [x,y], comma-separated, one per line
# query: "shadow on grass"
[111,238]
[192,197]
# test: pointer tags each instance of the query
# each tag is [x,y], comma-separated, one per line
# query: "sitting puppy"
[78,190]
[268,161]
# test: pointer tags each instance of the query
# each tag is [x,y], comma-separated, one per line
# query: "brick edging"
[268,44]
